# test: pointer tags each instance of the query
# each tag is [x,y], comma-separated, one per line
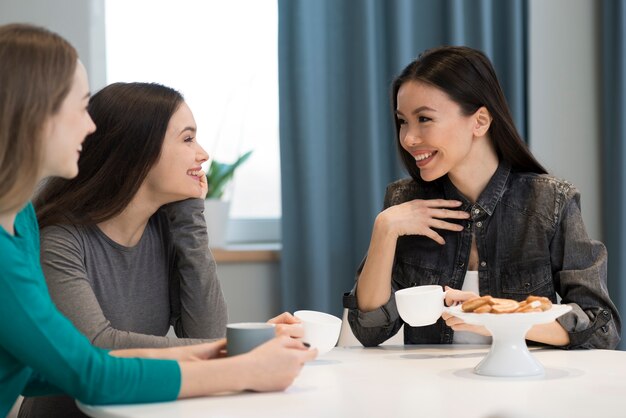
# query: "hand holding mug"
[275,364]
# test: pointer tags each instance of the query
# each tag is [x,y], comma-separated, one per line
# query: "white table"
[419,381]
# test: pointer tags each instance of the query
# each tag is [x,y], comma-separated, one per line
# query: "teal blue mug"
[242,337]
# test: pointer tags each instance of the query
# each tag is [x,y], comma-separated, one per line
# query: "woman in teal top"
[43,122]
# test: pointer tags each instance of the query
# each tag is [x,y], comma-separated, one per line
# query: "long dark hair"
[131,121]
[468,78]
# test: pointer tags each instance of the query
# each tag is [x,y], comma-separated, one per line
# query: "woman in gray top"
[479,215]
[124,245]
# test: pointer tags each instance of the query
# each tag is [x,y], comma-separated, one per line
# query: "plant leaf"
[220,174]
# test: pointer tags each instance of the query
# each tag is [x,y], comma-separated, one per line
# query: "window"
[223,57]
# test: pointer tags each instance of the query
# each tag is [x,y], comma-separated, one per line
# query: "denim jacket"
[531,240]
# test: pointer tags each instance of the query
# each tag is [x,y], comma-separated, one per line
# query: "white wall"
[564,97]
[81,22]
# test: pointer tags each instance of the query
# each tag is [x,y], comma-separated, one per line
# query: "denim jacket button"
[476,211]
[461,264]
[605,313]
[479,224]
[483,263]
[527,285]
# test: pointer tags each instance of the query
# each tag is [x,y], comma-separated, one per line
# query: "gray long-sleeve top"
[127,297]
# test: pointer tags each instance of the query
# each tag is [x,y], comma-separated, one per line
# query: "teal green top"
[41,353]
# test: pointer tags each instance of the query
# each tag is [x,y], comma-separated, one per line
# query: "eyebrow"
[418,110]
[188,128]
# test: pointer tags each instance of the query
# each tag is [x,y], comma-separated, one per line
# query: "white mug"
[421,305]
[321,330]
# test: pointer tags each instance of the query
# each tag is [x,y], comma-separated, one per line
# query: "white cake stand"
[509,355]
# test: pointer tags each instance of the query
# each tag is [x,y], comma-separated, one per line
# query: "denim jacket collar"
[489,198]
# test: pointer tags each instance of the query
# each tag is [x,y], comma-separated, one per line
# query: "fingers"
[290,330]
[454,296]
[449,214]
[219,344]
[439,224]
[212,349]
[434,236]
[284,318]
[309,355]
[453,321]
[292,343]
[424,217]
[471,328]
[203,184]
[458,324]
[305,353]
[442,203]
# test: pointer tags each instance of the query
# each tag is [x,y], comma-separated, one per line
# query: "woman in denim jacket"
[478,214]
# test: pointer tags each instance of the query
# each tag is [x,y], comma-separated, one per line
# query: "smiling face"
[433,129]
[175,176]
[65,131]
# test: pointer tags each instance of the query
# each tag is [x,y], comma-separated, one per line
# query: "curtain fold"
[337,59]
[613,46]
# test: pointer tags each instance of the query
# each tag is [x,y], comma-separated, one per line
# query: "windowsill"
[247,253]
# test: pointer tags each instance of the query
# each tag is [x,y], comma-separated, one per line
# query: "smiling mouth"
[194,173]
[424,158]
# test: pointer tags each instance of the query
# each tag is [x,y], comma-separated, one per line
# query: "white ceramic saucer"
[509,355]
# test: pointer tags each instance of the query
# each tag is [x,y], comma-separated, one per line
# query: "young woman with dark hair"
[478,214]
[44,95]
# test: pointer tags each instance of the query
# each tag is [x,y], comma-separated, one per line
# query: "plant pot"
[216,215]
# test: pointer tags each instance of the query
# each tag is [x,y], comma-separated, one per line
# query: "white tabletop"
[419,381]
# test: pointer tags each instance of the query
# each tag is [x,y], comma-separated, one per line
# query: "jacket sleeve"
[580,273]
[377,326]
[198,305]
[62,258]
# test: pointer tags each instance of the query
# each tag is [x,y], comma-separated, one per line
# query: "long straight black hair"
[131,121]
[468,78]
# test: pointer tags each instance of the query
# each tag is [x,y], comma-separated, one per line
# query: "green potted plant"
[216,208]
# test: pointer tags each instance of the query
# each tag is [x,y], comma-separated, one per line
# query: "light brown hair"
[36,72]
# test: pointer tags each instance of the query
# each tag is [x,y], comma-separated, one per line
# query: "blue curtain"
[337,59]
[614,149]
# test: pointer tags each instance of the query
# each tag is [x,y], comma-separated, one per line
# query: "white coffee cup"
[321,330]
[421,305]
